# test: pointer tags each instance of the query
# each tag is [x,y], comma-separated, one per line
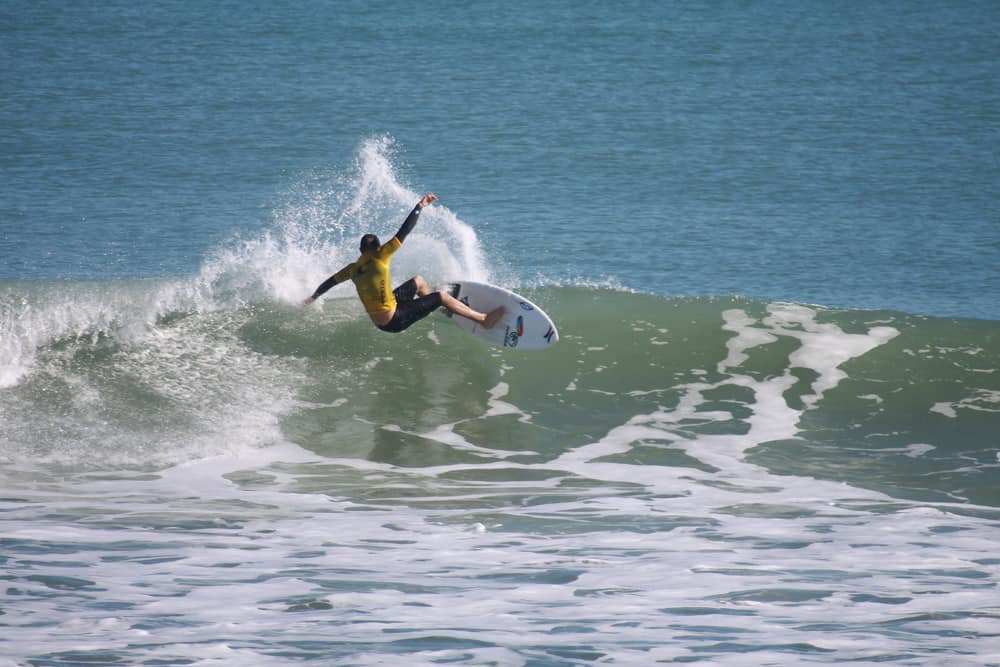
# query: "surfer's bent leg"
[411,289]
[459,308]
[415,301]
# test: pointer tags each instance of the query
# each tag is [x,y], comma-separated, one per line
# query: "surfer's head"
[369,243]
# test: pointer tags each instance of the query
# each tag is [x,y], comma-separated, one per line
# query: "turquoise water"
[768,434]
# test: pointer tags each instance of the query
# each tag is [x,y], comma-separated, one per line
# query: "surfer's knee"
[457,307]
[422,288]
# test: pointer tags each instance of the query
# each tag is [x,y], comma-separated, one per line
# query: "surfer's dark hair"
[369,242]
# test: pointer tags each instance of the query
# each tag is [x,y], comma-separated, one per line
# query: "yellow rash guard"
[370,274]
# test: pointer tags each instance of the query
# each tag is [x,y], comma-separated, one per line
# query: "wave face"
[194,476]
[150,373]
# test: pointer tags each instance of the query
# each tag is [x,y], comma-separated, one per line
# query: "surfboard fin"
[452,289]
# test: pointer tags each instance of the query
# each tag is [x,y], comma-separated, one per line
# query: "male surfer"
[413,300]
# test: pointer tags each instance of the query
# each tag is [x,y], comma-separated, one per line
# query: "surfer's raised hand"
[428,198]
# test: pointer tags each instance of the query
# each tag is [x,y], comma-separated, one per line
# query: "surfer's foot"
[493,317]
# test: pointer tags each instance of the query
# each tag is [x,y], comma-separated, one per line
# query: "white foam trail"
[982,400]
[747,337]
[825,347]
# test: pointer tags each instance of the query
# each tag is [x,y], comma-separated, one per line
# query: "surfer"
[410,302]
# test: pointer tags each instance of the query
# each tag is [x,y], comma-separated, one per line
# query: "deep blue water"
[838,154]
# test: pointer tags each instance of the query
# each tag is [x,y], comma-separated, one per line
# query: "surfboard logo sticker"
[549,334]
[526,306]
[511,338]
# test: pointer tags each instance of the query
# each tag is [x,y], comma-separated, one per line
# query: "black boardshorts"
[410,308]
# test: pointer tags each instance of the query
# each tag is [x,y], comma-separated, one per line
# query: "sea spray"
[316,230]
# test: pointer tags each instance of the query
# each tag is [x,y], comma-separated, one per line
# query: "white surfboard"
[524,325]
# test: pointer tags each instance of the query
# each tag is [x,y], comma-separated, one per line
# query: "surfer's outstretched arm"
[411,219]
[321,290]
[337,278]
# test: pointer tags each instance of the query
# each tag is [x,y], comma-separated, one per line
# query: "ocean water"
[769,433]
